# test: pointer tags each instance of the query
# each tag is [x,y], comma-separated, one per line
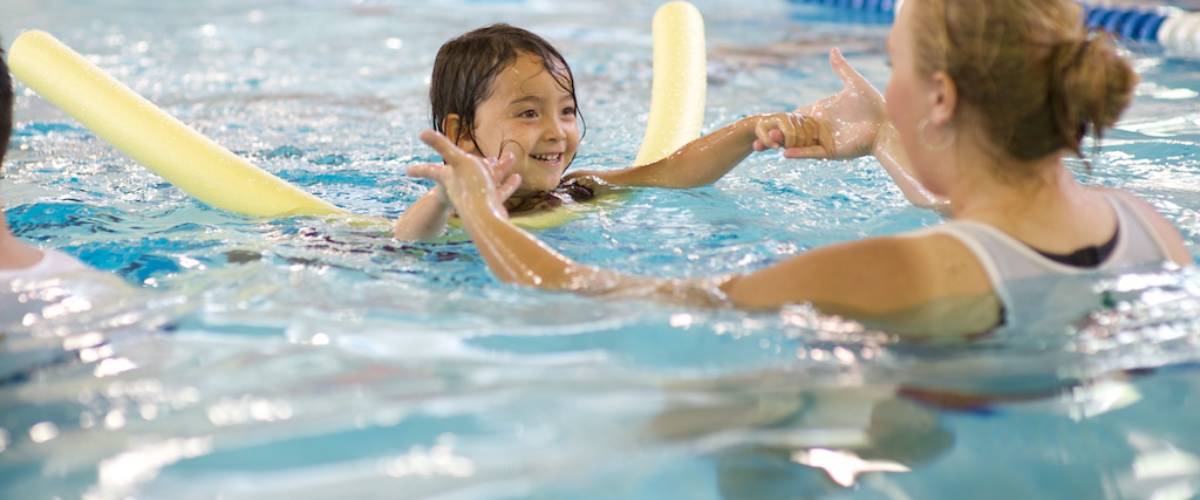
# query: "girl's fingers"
[500,167]
[507,160]
[509,187]
[762,130]
[449,151]
[780,138]
[498,171]
[429,171]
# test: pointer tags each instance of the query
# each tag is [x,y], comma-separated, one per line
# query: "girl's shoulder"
[581,188]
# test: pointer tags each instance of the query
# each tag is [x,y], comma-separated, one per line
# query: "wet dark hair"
[466,66]
[6,106]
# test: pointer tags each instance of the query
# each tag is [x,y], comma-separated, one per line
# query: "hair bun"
[1091,86]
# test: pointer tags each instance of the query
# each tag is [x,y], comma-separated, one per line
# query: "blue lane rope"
[1167,26]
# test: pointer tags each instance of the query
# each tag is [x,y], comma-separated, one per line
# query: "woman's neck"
[982,191]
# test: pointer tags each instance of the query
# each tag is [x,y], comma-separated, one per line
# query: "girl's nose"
[554,130]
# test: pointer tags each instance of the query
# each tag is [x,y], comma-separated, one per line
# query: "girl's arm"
[885,279]
[707,159]
[424,220]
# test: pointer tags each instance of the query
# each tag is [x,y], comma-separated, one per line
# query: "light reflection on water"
[307,358]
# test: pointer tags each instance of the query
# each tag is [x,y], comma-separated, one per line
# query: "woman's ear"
[944,97]
[457,133]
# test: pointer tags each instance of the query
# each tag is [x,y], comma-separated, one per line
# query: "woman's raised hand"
[852,117]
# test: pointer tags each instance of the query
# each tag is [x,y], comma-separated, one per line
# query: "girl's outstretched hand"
[465,179]
[791,131]
[853,116]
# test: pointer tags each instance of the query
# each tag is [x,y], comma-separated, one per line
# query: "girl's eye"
[569,110]
[529,113]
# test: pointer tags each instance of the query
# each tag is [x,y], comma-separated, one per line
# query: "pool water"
[304,358]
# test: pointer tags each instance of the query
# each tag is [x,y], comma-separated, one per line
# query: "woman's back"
[1040,287]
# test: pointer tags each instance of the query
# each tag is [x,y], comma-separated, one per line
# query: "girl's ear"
[457,133]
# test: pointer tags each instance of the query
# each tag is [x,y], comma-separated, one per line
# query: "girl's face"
[530,115]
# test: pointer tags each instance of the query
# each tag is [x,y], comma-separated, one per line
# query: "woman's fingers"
[778,137]
[843,69]
[850,76]
[807,152]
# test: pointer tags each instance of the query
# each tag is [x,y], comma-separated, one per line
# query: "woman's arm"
[868,278]
[856,122]
[707,159]
[891,155]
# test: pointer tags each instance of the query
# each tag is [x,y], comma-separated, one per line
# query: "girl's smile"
[529,112]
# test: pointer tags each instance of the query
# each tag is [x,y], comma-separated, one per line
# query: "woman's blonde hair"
[1028,68]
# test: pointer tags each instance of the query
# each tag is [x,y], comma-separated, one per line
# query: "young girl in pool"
[502,90]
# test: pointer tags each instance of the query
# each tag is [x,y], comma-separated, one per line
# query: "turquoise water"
[303,358]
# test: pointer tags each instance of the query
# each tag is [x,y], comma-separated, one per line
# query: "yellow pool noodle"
[680,82]
[150,136]
[219,178]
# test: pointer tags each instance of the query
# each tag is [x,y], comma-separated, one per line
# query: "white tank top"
[56,294]
[1035,288]
[55,287]
[53,262]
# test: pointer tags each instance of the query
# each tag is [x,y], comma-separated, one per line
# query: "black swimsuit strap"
[1086,257]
